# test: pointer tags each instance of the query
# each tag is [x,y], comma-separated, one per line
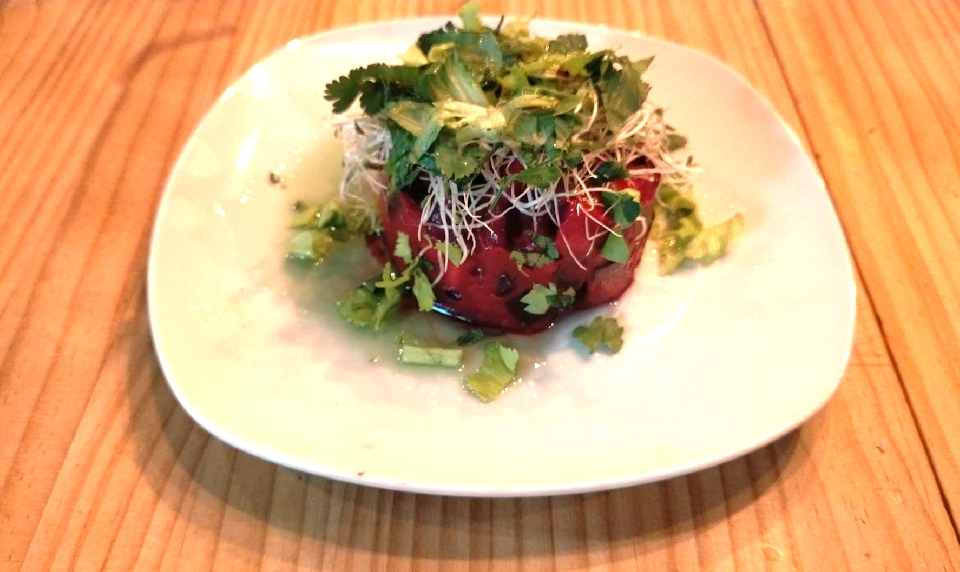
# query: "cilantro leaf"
[344,90]
[422,120]
[318,228]
[444,35]
[548,245]
[539,299]
[621,90]
[375,85]
[449,159]
[423,291]
[369,304]
[309,245]
[402,249]
[451,252]
[531,259]
[497,371]
[601,331]
[537,259]
[398,168]
[452,80]
[704,245]
[540,176]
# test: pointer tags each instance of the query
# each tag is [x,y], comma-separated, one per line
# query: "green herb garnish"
[496,373]
[681,235]
[601,331]
[541,298]
[420,355]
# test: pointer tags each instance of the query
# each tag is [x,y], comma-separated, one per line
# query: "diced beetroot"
[485,290]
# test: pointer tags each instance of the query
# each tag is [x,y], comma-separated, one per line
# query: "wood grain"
[876,86]
[100,468]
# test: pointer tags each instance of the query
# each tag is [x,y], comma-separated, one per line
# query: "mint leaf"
[497,371]
[601,331]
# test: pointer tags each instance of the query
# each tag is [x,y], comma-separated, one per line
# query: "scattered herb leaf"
[540,298]
[601,331]
[423,291]
[497,371]
[419,355]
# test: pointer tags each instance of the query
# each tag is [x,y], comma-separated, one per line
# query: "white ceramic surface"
[716,362]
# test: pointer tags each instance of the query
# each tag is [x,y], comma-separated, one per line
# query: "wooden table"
[101,468]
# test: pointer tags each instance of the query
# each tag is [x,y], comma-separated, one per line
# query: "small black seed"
[504,285]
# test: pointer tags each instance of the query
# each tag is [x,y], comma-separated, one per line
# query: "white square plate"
[717,361]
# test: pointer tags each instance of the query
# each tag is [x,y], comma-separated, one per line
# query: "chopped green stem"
[444,357]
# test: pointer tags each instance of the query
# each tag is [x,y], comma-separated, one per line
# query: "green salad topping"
[472,109]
